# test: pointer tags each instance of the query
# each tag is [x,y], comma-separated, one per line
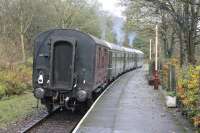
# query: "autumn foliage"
[189,93]
[15,80]
[187,88]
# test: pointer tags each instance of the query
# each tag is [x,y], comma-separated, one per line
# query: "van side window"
[99,58]
[105,57]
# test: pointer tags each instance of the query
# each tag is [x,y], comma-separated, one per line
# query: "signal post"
[156,76]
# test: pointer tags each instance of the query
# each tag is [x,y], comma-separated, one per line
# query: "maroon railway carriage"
[69,66]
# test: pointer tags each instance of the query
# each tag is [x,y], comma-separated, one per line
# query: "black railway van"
[69,66]
[64,66]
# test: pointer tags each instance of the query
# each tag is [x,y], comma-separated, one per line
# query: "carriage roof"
[96,40]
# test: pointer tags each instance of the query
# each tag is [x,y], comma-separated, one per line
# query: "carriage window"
[102,57]
[116,57]
[122,57]
[99,57]
[105,57]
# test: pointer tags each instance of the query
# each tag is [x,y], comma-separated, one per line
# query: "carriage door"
[62,63]
[136,60]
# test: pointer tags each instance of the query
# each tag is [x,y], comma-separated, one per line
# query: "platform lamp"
[150,50]
[150,63]
[156,78]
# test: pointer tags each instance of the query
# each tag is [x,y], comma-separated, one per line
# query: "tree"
[180,17]
[21,20]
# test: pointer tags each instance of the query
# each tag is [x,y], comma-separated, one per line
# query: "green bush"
[16,80]
[171,93]
[2,90]
[188,92]
[15,88]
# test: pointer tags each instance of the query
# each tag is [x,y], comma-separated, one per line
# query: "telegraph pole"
[156,56]
[151,81]
[156,78]
[150,50]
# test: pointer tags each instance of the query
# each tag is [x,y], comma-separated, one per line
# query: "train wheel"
[81,108]
[49,106]
[89,103]
[84,106]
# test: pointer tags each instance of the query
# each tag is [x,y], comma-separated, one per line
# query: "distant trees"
[21,20]
[178,20]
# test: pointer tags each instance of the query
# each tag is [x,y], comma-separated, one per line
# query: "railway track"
[35,122]
[59,121]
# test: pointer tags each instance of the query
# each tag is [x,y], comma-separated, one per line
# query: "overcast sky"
[112,6]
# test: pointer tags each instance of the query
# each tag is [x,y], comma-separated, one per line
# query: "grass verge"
[16,107]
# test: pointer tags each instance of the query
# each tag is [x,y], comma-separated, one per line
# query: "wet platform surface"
[130,106]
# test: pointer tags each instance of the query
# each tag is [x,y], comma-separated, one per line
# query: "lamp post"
[151,65]
[156,50]
[150,50]
[156,78]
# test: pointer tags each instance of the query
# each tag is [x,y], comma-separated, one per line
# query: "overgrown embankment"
[16,98]
[187,88]
[16,107]
[15,80]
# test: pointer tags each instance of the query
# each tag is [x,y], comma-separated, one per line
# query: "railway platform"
[130,105]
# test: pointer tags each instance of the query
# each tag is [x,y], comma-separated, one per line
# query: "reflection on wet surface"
[130,106]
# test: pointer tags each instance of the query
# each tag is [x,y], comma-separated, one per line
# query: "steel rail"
[37,122]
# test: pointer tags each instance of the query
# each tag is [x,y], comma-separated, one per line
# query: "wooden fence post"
[173,78]
[171,86]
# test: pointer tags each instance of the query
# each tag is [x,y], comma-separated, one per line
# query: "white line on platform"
[90,109]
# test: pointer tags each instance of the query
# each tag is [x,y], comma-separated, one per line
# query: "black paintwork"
[67,57]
